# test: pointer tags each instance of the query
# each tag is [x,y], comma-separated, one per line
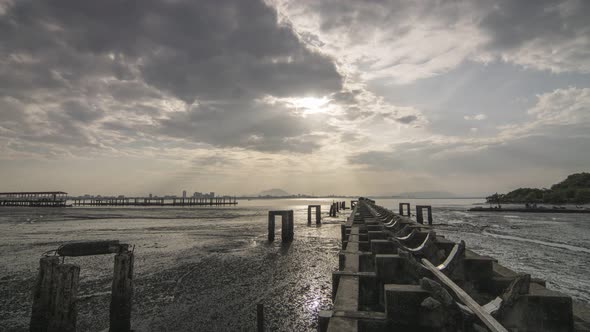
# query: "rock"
[430,303]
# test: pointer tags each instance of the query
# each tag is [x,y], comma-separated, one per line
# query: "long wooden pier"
[156,201]
[34,198]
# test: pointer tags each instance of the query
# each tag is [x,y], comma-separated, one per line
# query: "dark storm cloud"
[192,49]
[513,23]
[128,53]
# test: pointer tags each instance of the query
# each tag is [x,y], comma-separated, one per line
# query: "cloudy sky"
[331,96]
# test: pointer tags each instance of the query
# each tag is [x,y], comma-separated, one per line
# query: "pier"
[398,275]
[34,198]
[155,201]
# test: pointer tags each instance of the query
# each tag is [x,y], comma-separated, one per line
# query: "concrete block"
[541,310]
[383,247]
[402,303]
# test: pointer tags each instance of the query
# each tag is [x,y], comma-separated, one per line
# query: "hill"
[274,193]
[575,189]
[426,194]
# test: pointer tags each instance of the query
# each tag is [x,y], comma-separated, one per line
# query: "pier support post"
[286,225]
[420,214]
[318,214]
[63,312]
[122,293]
[42,294]
[324,320]
[260,317]
[401,209]
[271,227]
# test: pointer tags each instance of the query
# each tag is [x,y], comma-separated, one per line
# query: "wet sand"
[206,268]
[193,274]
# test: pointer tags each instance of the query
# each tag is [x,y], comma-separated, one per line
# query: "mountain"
[427,194]
[273,192]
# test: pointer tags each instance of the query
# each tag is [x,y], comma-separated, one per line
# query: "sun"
[310,105]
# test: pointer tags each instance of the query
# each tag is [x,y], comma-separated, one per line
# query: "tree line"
[575,189]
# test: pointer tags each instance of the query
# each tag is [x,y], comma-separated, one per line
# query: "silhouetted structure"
[34,198]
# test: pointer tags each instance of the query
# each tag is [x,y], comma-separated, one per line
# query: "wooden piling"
[260,317]
[122,293]
[63,313]
[287,226]
[42,294]
[271,227]
[419,215]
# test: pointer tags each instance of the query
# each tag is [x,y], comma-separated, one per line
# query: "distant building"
[184,194]
[150,195]
[211,194]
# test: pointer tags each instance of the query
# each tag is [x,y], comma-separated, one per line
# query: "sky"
[319,97]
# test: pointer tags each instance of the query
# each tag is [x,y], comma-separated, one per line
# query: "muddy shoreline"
[213,285]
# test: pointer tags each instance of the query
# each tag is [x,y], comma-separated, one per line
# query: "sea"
[206,268]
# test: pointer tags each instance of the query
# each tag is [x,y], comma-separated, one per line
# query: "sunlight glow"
[310,105]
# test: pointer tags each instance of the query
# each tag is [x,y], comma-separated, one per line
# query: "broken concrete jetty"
[398,275]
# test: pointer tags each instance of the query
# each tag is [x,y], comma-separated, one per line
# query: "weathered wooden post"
[324,320]
[122,293]
[43,293]
[401,209]
[420,213]
[271,226]
[318,214]
[63,312]
[287,226]
[260,317]
[419,216]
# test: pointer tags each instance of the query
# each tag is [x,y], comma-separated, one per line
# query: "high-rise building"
[211,194]
[184,194]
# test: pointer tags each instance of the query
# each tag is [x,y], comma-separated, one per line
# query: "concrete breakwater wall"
[399,275]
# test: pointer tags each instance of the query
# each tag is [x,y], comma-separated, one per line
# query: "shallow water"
[205,268]
[554,247]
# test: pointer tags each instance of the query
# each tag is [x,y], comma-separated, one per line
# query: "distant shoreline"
[352,197]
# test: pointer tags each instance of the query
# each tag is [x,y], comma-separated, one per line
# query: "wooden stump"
[260,317]
[122,293]
[42,294]
[63,313]
[271,227]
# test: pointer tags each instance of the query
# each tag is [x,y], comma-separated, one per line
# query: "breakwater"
[397,274]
